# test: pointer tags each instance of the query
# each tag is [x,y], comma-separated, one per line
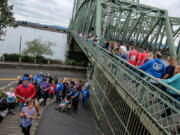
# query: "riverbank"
[43,28]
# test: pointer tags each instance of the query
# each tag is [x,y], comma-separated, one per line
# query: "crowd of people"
[33,92]
[147,61]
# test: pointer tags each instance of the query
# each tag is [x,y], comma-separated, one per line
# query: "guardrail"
[147,101]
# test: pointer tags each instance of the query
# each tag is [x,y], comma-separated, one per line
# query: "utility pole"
[20,50]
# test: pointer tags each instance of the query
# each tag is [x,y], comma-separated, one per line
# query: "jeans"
[58,98]
[44,96]
[85,100]
[21,105]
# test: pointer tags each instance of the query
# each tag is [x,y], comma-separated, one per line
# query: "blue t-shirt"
[38,80]
[85,93]
[155,67]
[76,94]
[59,87]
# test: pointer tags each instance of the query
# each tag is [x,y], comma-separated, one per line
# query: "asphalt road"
[67,123]
[7,75]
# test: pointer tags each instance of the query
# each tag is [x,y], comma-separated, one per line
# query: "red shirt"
[142,58]
[28,92]
[52,88]
[133,56]
[80,86]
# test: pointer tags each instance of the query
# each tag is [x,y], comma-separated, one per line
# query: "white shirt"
[10,97]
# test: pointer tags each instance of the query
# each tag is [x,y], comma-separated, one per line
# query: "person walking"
[44,90]
[25,92]
[28,115]
[59,90]
[52,89]
[85,96]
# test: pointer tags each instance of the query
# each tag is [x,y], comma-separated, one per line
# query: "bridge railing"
[149,102]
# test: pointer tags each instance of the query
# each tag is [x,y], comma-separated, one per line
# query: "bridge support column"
[169,33]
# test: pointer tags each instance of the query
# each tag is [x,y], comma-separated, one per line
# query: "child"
[63,105]
[28,115]
[11,100]
[59,90]
[52,89]
[85,96]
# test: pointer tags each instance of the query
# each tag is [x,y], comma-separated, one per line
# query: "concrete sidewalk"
[67,123]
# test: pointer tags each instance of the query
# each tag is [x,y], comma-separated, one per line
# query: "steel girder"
[130,23]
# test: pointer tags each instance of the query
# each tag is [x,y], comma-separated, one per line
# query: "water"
[12,39]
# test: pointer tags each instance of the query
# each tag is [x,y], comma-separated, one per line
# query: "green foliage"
[27,59]
[30,59]
[76,63]
[76,56]
[2,94]
[6,17]
[41,60]
[38,48]
[11,57]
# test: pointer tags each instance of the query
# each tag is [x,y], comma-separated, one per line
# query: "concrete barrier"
[42,66]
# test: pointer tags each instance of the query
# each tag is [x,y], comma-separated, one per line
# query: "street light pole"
[20,49]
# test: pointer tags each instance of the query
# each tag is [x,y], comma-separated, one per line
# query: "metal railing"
[124,102]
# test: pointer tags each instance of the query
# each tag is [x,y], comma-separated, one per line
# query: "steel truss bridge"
[123,102]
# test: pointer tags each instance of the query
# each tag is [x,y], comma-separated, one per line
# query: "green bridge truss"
[122,102]
[128,22]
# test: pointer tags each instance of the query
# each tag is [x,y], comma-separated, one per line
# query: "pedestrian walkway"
[67,123]
[10,124]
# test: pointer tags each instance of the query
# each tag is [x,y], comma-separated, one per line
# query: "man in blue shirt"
[38,78]
[59,90]
[85,96]
[155,67]
[74,95]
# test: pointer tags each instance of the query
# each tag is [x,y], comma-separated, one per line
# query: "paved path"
[67,123]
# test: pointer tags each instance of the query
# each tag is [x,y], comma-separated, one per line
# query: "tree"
[37,48]
[6,17]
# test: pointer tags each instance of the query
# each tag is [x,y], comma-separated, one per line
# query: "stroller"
[3,108]
[63,106]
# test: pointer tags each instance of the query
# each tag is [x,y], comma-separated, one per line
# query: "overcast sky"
[58,12]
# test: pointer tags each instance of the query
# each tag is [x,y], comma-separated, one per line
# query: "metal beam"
[169,34]
[98,18]
[150,31]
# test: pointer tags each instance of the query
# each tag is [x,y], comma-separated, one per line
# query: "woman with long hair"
[174,81]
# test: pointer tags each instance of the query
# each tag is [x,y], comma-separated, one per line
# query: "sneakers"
[11,112]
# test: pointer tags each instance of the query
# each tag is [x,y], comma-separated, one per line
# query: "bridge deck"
[67,123]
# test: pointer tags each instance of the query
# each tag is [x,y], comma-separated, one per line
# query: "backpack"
[3,104]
